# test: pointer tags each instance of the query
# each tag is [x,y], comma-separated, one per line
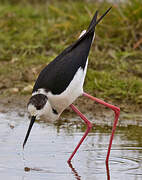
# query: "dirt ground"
[85,105]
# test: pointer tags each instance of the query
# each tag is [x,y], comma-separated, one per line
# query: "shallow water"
[49,147]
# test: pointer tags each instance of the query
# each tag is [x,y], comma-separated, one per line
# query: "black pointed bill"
[29,130]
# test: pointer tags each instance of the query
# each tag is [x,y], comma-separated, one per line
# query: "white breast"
[71,93]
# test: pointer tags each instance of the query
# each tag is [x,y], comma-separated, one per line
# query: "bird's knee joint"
[90,125]
[117,110]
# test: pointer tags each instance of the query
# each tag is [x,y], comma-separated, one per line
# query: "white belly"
[71,93]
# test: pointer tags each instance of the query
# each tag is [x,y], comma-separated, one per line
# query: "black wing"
[58,74]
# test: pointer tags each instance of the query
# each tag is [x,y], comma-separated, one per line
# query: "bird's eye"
[54,111]
[38,107]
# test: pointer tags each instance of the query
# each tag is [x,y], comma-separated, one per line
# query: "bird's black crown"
[38,100]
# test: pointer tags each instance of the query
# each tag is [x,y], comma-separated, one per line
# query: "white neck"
[40,91]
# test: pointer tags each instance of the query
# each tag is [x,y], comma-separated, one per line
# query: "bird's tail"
[83,35]
[94,21]
[90,30]
[91,25]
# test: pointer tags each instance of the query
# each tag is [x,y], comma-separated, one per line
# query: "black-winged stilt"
[60,83]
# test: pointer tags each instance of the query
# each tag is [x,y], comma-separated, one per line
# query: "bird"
[61,82]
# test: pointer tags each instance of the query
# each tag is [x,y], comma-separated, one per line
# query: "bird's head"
[39,107]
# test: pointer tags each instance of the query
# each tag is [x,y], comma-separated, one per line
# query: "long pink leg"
[107,170]
[89,126]
[116,111]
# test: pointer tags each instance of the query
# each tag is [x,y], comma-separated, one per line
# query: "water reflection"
[74,171]
[78,177]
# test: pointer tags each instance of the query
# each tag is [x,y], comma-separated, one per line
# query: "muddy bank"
[16,102]
[98,114]
[84,104]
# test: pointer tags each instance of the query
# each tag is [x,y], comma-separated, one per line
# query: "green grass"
[32,33]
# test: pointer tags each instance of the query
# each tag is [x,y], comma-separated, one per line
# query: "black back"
[58,74]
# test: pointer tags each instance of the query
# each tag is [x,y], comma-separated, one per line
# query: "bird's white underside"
[71,93]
